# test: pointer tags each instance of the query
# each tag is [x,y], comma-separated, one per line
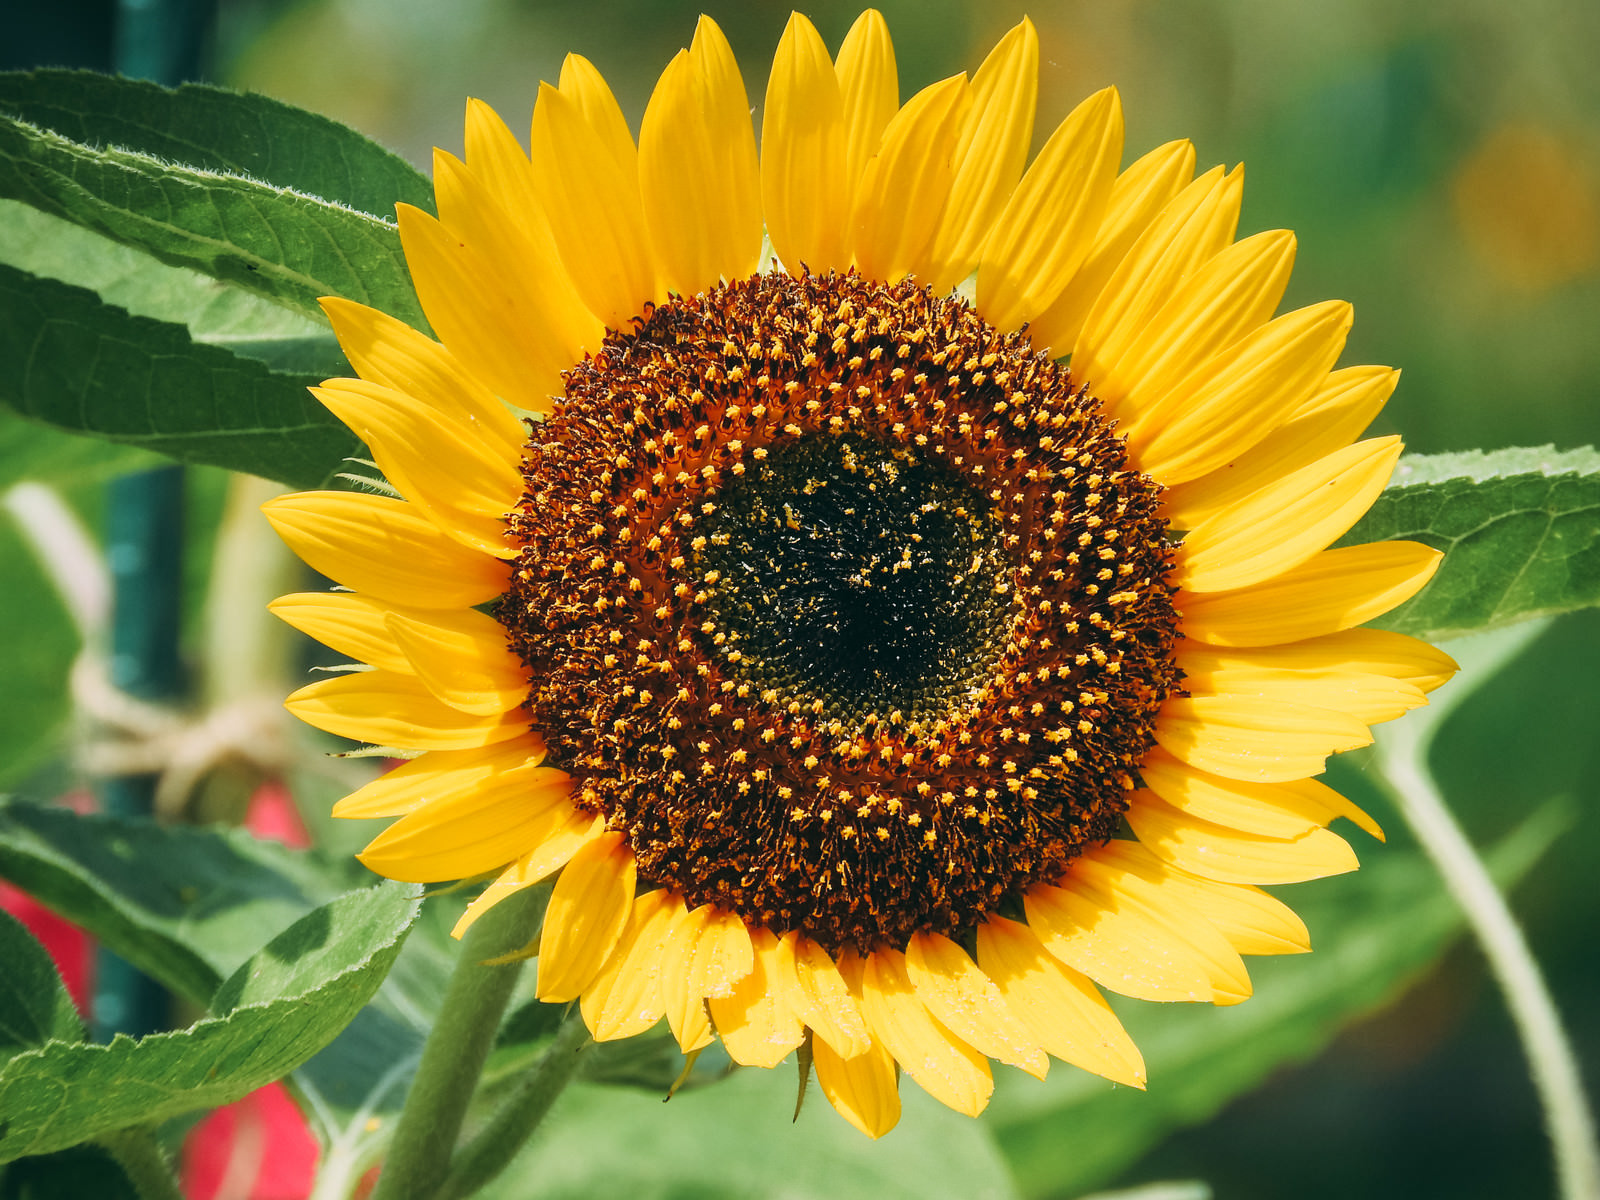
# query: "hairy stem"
[144,1162]
[453,1057]
[492,1150]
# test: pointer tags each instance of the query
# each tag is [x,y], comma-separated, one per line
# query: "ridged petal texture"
[1135,275]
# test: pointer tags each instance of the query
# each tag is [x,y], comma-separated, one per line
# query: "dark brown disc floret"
[845,607]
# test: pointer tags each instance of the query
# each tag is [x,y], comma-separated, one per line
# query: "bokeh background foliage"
[1441,165]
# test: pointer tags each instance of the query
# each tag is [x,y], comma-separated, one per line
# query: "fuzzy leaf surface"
[218,130]
[1520,529]
[34,1005]
[71,361]
[286,245]
[276,1011]
[185,905]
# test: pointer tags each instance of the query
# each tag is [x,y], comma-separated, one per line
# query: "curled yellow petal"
[803,182]
[463,659]
[948,1069]
[863,1089]
[967,1002]
[818,993]
[903,187]
[447,775]
[698,171]
[1047,227]
[1334,590]
[388,709]
[1061,1009]
[385,548]
[589,908]
[1230,856]
[756,1024]
[1286,522]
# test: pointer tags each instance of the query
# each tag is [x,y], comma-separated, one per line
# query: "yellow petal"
[1239,397]
[442,776]
[802,154]
[463,659]
[385,548]
[1373,651]
[1061,1009]
[1129,871]
[1252,921]
[582,84]
[1364,695]
[388,709]
[348,622]
[1195,225]
[1335,590]
[1229,856]
[596,214]
[390,352]
[1254,738]
[463,484]
[1230,295]
[572,831]
[472,830]
[990,152]
[1280,810]
[1137,198]
[948,1069]
[721,954]
[625,998]
[902,189]
[498,336]
[589,909]
[817,992]
[755,1022]
[1047,227]
[1335,416]
[698,171]
[869,92]
[864,1090]
[686,1009]
[1115,942]
[517,245]
[966,1001]
[1285,523]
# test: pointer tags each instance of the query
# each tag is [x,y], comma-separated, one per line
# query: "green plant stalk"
[1551,1061]
[492,1150]
[453,1056]
[144,1163]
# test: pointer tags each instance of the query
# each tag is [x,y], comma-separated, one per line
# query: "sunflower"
[884,580]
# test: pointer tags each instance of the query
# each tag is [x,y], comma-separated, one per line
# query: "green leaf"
[735,1140]
[285,245]
[213,312]
[274,1013]
[1075,1132]
[184,905]
[77,364]
[218,130]
[34,1005]
[1520,529]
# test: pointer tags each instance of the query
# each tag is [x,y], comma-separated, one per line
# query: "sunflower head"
[885,631]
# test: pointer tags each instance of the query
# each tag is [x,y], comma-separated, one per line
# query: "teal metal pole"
[160,40]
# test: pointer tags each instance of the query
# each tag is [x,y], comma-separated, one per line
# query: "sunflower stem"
[456,1049]
[143,1161]
[492,1150]
[1403,758]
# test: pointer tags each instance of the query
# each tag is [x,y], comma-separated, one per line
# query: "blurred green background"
[1441,165]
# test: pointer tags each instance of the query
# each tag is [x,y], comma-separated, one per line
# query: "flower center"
[842,605]
[857,574]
